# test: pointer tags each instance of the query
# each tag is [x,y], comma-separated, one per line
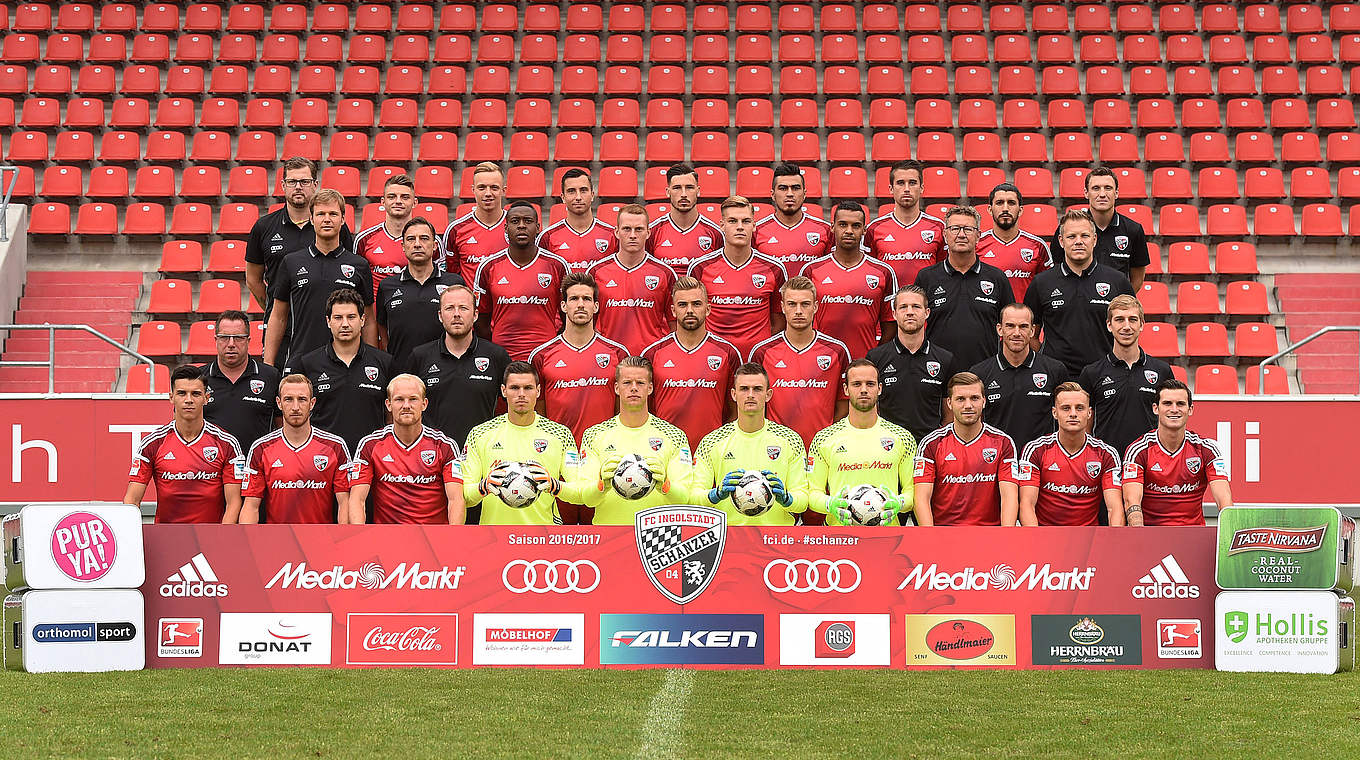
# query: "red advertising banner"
[465,596]
[71,449]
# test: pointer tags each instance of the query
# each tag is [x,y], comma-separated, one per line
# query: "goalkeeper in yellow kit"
[752,444]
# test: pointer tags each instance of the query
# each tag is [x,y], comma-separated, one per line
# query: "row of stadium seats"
[1007,18]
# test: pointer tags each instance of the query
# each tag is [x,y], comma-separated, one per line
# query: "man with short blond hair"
[479,234]
[742,283]
[1123,383]
[635,287]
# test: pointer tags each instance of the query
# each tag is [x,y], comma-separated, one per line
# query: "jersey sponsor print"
[1071,485]
[297,485]
[581,250]
[907,248]
[805,383]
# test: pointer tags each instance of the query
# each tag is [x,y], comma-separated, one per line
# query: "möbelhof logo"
[1000,577]
[370,576]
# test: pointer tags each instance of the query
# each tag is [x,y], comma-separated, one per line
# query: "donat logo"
[680,548]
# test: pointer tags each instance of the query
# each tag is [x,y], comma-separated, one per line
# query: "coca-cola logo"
[960,639]
[397,638]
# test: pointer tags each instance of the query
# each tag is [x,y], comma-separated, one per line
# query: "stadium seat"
[1255,339]
[72,145]
[1226,220]
[1155,298]
[141,379]
[27,147]
[393,147]
[158,338]
[1160,339]
[1321,220]
[1188,259]
[1179,220]
[1216,379]
[1274,220]
[1246,298]
[1301,148]
[144,219]
[1034,183]
[237,219]
[170,296]
[1198,298]
[216,296]
[50,219]
[191,219]
[1206,340]
[1276,380]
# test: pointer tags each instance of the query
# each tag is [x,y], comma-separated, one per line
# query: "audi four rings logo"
[558,576]
[803,576]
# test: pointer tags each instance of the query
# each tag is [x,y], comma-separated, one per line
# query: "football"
[519,489]
[867,504]
[753,495]
[632,479]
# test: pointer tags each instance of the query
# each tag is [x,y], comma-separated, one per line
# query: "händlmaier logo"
[682,639]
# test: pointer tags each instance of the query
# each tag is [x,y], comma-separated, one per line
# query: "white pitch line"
[666,716]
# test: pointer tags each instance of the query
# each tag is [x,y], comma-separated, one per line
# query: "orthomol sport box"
[74,631]
[74,546]
[1284,632]
[1273,548]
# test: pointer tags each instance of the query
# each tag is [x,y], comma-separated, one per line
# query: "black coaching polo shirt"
[913,384]
[463,390]
[1122,395]
[1071,309]
[1020,397]
[409,309]
[349,397]
[246,407]
[965,307]
[1121,246]
[306,279]
[274,236]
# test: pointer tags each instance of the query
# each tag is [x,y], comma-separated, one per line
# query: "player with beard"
[965,471]
[790,235]
[1019,254]
[683,234]
[580,239]
[297,474]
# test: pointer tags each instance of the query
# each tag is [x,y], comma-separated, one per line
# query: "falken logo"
[370,576]
[1001,577]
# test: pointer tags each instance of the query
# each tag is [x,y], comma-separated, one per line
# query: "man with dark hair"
[635,288]
[349,375]
[479,234]
[965,471]
[854,292]
[1067,476]
[790,235]
[298,474]
[914,369]
[1168,471]
[1123,382]
[519,299]
[1070,300]
[307,279]
[1019,382]
[907,239]
[197,466]
[682,235]
[742,283]
[381,245]
[580,239]
[965,294]
[1121,243]
[408,301]
[1005,246]
[239,387]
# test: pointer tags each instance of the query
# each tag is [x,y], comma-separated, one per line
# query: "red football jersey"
[1071,486]
[906,248]
[635,304]
[853,304]
[579,249]
[524,302]
[383,252]
[578,383]
[744,299]
[677,248]
[1021,259]
[408,481]
[468,242]
[795,246]
[189,475]
[297,485]
[967,475]
[806,384]
[690,389]
[1174,482]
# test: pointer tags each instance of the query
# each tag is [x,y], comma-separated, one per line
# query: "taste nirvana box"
[1285,548]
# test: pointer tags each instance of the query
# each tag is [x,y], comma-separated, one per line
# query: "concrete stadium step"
[37,341]
[1328,362]
[60,386]
[70,316]
[1311,301]
[76,359]
[41,278]
[78,303]
[103,375]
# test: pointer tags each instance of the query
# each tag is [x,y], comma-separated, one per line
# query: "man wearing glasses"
[240,389]
[965,296]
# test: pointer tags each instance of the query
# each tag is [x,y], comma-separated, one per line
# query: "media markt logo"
[1000,577]
[680,548]
[1166,580]
[370,576]
[195,579]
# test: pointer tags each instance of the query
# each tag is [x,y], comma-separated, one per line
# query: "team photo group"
[787,369]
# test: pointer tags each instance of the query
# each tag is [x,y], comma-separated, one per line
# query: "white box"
[74,631]
[839,640]
[74,546]
[274,638]
[528,638]
[1284,632]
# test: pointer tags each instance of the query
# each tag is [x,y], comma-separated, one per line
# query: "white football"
[867,504]
[753,496]
[632,479]
[518,489]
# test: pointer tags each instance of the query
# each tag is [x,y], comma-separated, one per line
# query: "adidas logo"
[502,281]
[728,455]
[195,579]
[890,369]
[889,238]
[564,247]
[302,270]
[170,455]
[718,280]
[939,289]
[560,363]
[396,293]
[611,284]
[993,384]
[433,368]
[774,239]
[669,363]
[276,463]
[323,378]
[472,241]
[780,364]
[840,449]
[1107,381]
[1156,467]
[1055,294]
[610,447]
[950,458]
[387,457]
[277,236]
[1166,580]
[665,244]
[1054,467]
[496,445]
[826,281]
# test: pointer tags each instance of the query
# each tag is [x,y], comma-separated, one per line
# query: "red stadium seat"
[750,18]
[1226,220]
[27,147]
[1177,219]
[156,338]
[1206,340]
[50,219]
[1160,339]
[1246,298]
[201,182]
[191,219]
[1276,380]
[72,146]
[237,219]
[1273,220]
[1321,220]
[1300,148]
[1255,339]
[1310,182]
[1197,298]
[1155,298]
[67,181]
[144,219]
[1216,379]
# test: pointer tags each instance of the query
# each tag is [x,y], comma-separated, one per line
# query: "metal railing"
[13,172]
[51,363]
[1261,368]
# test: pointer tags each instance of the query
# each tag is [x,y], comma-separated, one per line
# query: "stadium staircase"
[153,130]
[1310,302]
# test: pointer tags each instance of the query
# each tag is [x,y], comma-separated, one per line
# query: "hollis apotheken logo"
[680,548]
[1284,540]
[401,638]
[682,639]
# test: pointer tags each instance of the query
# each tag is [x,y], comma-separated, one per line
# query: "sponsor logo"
[542,576]
[1166,580]
[680,548]
[528,639]
[1284,540]
[1000,577]
[83,546]
[960,639]
[481,362]
[834,639]
[714,363]
[402,638]
[272,638]
[1086,639]
[180,637]
[1093,469]
[194,579]
[78,633]
[371,576]
[1179,638]
[824,362]
[932,368]
[1102,289]
[803,576]
[602,360]
[651,282]
[544,279]
[682,639]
